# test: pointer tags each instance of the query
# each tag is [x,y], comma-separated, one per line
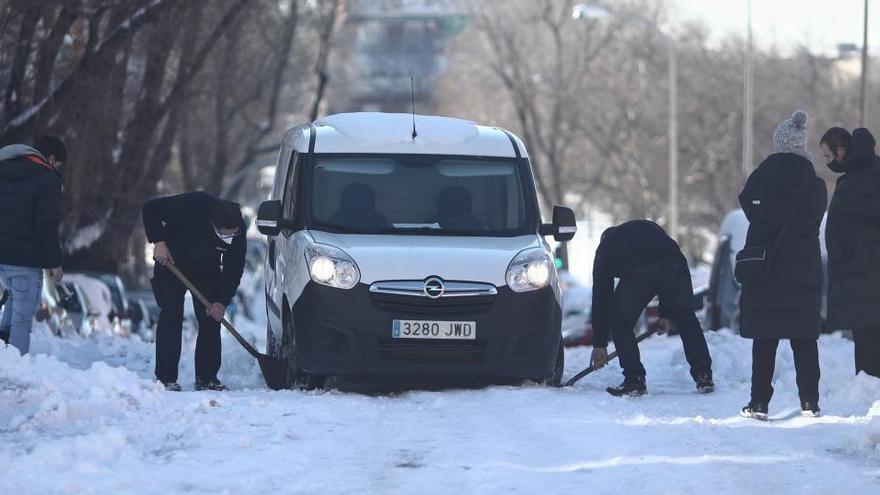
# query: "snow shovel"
[271,368]
[611,356]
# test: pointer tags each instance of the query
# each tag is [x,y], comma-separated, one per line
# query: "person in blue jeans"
[30,194]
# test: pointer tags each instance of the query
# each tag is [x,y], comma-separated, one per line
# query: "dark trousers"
[669,279]
[867,343]
[170,294]
[806,365]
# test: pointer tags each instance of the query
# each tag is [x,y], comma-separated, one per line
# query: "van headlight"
[330,266]
[531,269]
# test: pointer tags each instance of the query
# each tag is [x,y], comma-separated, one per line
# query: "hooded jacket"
[30,194]
[786,304]
[853,238]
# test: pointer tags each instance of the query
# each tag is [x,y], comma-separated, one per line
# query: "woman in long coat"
[784,201]
[853,240]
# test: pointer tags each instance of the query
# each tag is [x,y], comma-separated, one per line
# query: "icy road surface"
[83,416]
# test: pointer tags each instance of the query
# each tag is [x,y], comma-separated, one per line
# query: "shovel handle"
[195,292]
[611,356]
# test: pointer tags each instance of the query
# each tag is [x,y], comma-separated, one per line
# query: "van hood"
[417,257]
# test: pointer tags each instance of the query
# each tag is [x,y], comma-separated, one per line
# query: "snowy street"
[89,419]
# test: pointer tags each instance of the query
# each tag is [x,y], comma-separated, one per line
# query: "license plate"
[429,329]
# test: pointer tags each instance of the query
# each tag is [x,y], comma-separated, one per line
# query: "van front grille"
[422,305]
[433,351]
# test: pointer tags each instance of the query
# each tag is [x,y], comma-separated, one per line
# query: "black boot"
[172,386]
[755,410]
[209,384]
[4,334]
[633,387]
[704,382]
[809,409]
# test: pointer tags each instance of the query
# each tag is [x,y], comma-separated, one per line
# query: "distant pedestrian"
[204,237]
[853,239]
[648,263]
[780,268]
[30,194]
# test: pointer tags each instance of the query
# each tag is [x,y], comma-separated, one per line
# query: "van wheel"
[294,376]
[555,379]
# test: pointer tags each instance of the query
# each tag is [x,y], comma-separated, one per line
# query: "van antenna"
[412,86]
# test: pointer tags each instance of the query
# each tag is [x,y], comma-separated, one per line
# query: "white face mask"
[227,238]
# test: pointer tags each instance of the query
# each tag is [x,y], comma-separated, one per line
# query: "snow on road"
[84,416]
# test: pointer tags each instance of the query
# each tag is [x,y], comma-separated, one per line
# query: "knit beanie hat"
[791,135]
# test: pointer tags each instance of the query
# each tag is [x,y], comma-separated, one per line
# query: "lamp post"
[748,112]
[863,102]
[592,11]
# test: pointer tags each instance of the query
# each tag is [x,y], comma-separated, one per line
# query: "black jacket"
[623,249]
[786,303]
[30,193]
[183,223]
[853,239]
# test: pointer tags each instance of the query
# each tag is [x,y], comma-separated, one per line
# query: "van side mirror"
[564,225]
[269,218]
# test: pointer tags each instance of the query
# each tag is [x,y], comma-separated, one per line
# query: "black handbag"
[756,262]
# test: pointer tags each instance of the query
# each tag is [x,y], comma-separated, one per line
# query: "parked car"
[723,291]
[85,319]
[52,309]
[121,307]
[431,241]
[577,327]
[100,300]
[142,320]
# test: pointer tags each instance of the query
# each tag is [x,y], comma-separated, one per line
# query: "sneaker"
[172,386]
[755,410]
[704,382]
[631,387]
[809,409]
[211,384]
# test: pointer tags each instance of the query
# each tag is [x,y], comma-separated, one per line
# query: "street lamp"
[863,102]
[592,11]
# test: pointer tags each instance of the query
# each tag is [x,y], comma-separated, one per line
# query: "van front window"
[418,195]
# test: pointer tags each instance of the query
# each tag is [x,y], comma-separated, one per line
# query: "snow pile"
[90,419]
[40,393]
[377,129]
[874,427]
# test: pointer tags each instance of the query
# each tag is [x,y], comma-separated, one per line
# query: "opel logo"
[434,288]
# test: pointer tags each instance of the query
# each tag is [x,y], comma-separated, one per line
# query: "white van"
[409,247]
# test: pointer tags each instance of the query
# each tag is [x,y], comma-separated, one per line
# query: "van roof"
[376,132]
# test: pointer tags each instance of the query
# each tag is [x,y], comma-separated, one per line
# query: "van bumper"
[348,333]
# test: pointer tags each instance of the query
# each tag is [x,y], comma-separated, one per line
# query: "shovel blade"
[273,372]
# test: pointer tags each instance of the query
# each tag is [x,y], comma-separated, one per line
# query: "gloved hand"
[599,357]
[663,326]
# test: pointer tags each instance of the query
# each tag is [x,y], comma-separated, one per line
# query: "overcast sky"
[822,24]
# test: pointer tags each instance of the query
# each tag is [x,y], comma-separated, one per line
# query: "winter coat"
[786,303]
[623,249]
[30,194]
[853,239]
[183,223]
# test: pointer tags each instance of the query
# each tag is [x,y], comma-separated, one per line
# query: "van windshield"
[418,195]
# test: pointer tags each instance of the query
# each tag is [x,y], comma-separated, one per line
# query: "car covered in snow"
[100,302]
[406,247]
